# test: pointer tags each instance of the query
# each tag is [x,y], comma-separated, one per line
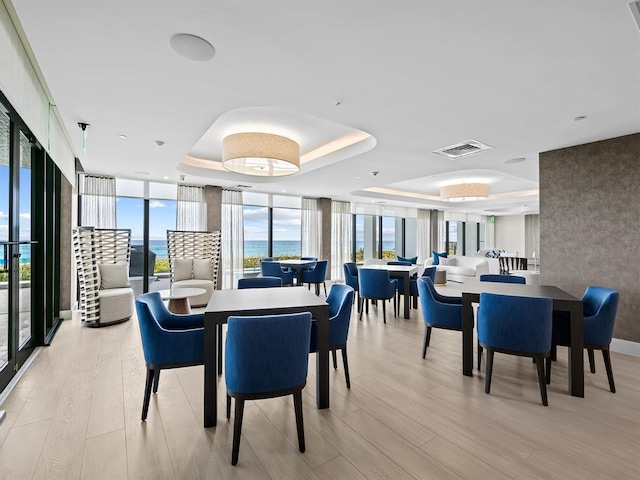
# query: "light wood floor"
[76,414]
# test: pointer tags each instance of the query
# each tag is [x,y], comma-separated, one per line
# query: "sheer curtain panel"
[98,201]
[424,235]
[311,230]
[340,238]
[191,213]
[232,238]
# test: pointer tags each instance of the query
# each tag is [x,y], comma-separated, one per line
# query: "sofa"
[460,268]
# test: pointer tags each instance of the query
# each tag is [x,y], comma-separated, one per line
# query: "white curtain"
[98,201]
[441,233]
[191,214]
[340,238]
[232,238]
[311,228]
[424,235]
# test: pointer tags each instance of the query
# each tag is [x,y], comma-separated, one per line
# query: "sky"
[25,204]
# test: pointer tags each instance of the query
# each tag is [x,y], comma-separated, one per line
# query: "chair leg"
[360,307]
[237,431]
[156,380]
[548,369]
[297,405]
[359,304]
[384,311]
[427,339]
[147,393]
[554,352]
[541,380]
[607,364]
[335,359]
[346,366]
[228,407]
[317,285]
[592,360]
[367,305]
[324,284]
[395,306]
[479,355]
[487,380]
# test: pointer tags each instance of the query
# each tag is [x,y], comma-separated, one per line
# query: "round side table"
[441,277]
[179,298]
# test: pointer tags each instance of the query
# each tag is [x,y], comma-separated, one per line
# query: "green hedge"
[25,273]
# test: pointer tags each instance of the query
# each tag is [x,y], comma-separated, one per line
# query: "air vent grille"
[461,149]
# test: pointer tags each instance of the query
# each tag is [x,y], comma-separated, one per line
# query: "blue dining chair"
[413,285]
[376,285]
[516,326]
[350,270]
[273,269]
[340,302]
[317,275]
[501,278]
[265,357]
[438,311]
[311,266]
[497,278]
[259,282]
[168,340]
[600,306]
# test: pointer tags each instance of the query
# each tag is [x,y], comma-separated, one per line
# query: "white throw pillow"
[114,275]
[182,269]
[443,261]
[202,268]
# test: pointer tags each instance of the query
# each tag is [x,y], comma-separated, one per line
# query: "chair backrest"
[269,268]
[375,283]
[259,282]
[340,302]
[351,274]
[267,353]
[518,324]
[411,260]
[158,343]
[494,277]
[600,306]
[430,272]
[438,310]
[318,273]
[314,259]
[267,259]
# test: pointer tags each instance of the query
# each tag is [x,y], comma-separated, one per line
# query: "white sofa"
[459,268]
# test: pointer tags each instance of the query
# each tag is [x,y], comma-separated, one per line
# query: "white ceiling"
[416,75]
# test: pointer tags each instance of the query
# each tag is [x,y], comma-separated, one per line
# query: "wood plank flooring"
[76,415]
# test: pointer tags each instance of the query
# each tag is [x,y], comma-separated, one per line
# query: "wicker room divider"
[93,246]
[512,263]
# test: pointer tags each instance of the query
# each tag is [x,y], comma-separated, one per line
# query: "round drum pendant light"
[260,154]
[464,192]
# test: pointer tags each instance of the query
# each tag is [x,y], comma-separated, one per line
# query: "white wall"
[509,234]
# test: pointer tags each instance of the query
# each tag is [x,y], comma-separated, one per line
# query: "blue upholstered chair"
[376,285]
[351,278]
[266,357]
[259,282]
[317,275]
[498,278]
[309,267]
[494,277]
[438,310]
[273,269]
[340,302]
[517,326]
[168,340]
[600,306]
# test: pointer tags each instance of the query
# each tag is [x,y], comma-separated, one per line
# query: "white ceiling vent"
[461,149]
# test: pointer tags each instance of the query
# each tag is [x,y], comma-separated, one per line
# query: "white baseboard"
[625,346]
[65,314]
[4,394]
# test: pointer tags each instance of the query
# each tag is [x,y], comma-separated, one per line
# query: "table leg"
[467,336]
[322,360]
[576,355]
[180,306]
[210,375]
[407,294]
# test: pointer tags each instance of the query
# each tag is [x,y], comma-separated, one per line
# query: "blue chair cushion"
[436,256]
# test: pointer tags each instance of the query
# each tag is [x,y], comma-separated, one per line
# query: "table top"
[294,262]
[249,300]
[177,293]
[475,287]
[411,269]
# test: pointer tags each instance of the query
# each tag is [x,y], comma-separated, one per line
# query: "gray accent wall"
[67,264]
[590,223]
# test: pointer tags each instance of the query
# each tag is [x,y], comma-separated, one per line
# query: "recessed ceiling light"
[511,161]
[142,173]
[122,135]
[159,143]
[581,117]
[192,47]
[284,191]
[357,177]
[165,177]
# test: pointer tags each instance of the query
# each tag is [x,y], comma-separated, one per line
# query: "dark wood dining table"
[562,301]
[260,301]
[404,271]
